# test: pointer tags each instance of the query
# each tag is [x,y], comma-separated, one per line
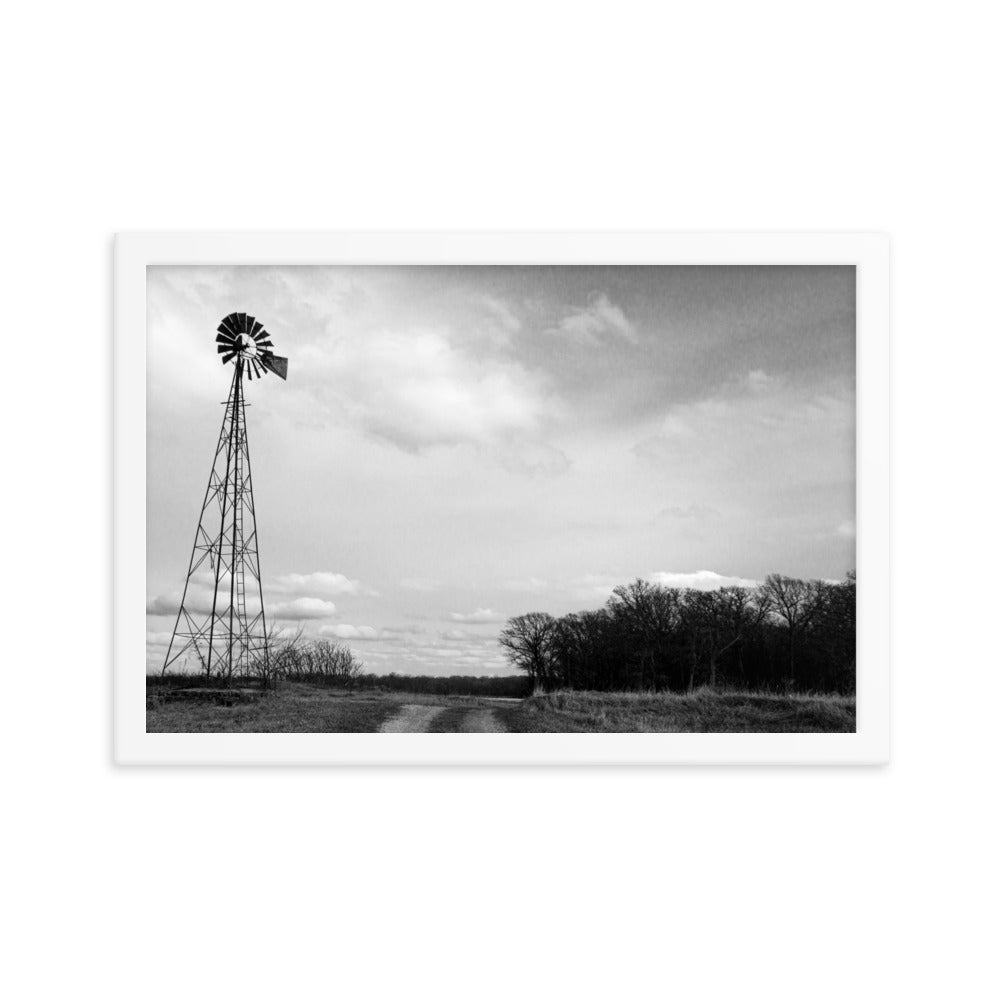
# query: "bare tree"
[282,653]
[526,640]
[796,604]
[836,624]
[648,613]
[575,649]
[721,619]
[319,661]
[334,663]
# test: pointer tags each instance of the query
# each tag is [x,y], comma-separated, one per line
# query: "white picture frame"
[870,744]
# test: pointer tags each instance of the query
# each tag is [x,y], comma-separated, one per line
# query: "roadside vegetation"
[702,711]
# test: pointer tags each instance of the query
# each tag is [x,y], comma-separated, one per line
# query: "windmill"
[220,627]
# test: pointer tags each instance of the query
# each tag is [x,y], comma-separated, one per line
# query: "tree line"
[325,663]
[786,634]
[333,664]
[511,686]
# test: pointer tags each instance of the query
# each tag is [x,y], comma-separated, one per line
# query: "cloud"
[594,586]
[601,318]
[692,511]
[403,630]
[689,421]
[481,616]
[164,604]
[198,600]
[322,584]
[454,635]
[535,459]
[502,313]
[304,608]
[759,381]
[416,389]
[749,398]
[702,579]
[529,585]
[365,633]
[420,583]
[299,596]
[444,653]
[748,426]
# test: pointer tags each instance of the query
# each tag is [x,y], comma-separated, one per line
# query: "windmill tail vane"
[219,619]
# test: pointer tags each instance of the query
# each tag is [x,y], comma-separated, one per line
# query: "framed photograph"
[501,498]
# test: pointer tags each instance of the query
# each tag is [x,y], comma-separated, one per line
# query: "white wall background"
[692,883]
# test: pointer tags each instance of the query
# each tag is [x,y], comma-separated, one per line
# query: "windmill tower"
[220,627]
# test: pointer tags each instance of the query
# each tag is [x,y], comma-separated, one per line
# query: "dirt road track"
[418,718]
[482,721]
[411,719]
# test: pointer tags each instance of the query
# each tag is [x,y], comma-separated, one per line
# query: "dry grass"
[297,708]
[702,711]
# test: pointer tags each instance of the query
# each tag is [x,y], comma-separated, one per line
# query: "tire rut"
[411,719]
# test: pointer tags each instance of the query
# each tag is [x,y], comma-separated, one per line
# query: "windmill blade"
[228,325]
[256,328]
[224,348]
[224,338]
[229,357]
[275,364]
[241,322]
[265,342]
[258,368]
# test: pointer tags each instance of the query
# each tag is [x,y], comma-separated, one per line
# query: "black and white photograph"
[501,499]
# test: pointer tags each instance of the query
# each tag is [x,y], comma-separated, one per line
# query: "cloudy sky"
[457,445]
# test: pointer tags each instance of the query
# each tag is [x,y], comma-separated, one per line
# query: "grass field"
[702,711]
[303,708]
[297,708]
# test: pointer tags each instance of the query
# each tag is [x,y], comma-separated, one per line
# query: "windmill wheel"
[243,339]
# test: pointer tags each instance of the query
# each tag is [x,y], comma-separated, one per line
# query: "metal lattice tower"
[221,628]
